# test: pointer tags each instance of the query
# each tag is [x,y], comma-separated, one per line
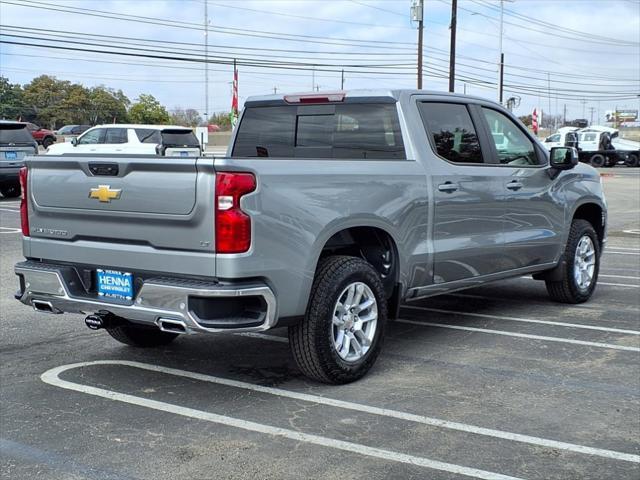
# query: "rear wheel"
[47,142]
[342,332]
[598,160]
[582,256]
[632,160]
[140,336]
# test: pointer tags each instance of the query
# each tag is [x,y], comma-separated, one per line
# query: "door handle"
[514,185]
[448,187]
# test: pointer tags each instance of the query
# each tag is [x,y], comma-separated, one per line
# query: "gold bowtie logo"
[105,194]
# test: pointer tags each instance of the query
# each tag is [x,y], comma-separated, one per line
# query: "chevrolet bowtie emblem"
[105,193]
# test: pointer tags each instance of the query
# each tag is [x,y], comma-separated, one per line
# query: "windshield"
[15,133]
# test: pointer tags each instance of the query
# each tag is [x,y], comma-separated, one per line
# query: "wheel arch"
[372,240]
[595,214]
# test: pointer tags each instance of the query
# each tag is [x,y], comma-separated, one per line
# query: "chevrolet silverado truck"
[328,213]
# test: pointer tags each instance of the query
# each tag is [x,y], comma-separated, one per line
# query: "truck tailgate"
[157,202]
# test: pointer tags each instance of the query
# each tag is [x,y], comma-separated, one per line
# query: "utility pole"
[313,78]
[452,48]
[275,90]
[417,8]
[342,80]
[501,62]
[564,115]
[206,61]
[549,90]
[591,110]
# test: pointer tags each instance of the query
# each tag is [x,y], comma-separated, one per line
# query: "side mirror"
[564,158]
[74,141]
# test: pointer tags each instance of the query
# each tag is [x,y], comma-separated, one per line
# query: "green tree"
[527,120]
[44,100]
[148,110]
[107,106]
[222,119]
[11,100]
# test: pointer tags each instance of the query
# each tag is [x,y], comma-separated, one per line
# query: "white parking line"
[525,320]
[618,276]
[609,252]
[614,247]
[10,230]
[12,210]
[435,422]
[522,335]
[52,378]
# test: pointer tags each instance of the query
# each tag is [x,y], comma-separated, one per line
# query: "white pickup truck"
[589,142]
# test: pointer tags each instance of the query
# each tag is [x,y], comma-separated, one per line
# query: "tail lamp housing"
[233,226]
[24,208]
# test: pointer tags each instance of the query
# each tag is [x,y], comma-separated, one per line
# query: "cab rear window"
[17,134]
[345,131]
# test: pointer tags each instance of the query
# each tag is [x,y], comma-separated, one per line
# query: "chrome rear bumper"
[159,301]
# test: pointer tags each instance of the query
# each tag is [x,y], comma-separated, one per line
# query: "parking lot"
[495,382]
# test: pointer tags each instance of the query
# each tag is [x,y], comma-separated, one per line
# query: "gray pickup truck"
[327,214]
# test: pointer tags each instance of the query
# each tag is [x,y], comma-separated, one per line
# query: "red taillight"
[24,211]
[233,226]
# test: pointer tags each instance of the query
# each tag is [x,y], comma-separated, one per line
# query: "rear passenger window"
[115,135]
[148,135]
[345,131]
[450,127]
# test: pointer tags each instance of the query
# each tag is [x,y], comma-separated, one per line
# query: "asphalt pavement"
[495,382]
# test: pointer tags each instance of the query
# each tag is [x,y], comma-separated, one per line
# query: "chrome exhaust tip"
[172,326]
[43,306]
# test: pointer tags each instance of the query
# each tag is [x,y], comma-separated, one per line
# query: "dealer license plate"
[114,284]
[11,155]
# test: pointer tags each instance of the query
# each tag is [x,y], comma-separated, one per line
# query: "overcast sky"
[578,50]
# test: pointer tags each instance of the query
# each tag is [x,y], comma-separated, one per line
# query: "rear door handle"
[448,187]
[514,185]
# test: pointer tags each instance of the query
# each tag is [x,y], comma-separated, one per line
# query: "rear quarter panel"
[299,204]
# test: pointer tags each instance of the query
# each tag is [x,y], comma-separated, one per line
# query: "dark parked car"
[44,137]
[15,143]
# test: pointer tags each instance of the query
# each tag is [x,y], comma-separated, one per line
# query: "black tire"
[47,142]
[10,191]
[139,336]
[632,160]
[311,340]
[597,160]
[567,290]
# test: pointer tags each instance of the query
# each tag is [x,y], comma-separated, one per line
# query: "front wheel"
[598,160]
[582,257]
[342,332]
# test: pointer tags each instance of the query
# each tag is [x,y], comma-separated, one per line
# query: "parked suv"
[330,211]
[15,143]
[118,139]
[44,137]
